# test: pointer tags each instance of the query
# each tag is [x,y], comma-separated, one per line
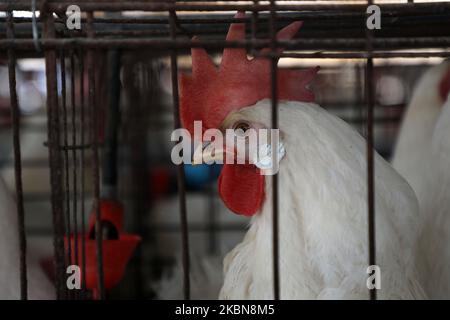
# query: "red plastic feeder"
[116,252]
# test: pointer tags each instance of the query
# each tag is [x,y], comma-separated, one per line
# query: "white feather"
[323,217]
[422,156]
[413,145]
[205,277]
[434,254]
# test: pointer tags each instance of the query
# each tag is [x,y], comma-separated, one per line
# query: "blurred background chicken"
[323,181]
[39,286]
[413,146]
[422,156]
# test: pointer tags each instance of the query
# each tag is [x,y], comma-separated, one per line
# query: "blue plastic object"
[199,176]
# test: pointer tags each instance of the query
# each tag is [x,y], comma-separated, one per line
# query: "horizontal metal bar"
[69,147]
[226,18]
[304,44]
[60,6]
[409,27]
[362,55]
[164,228]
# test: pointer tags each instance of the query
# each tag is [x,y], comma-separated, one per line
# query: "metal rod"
[66,177]
[15,115]
[274,101]
[89,6]
[180,169]
[172,228]
[112,125]
[370,154]
[74,158]
[224,18]
[96,166]
[254,22]
[211,214]
[363,55]
[164,44]
[82,165]
[55,161]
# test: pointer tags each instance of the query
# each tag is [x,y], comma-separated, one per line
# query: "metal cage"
[75,106]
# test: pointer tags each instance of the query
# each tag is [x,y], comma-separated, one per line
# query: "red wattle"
[241,188]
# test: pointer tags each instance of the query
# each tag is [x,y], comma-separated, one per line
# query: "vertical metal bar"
[112,125]
[62,61]
[54,157]
[359,98]
[15,114]
[82,165]
[74,158]
[254,30]
[370,154]
[180,169]
[211,214]
[274,101]
[95,162]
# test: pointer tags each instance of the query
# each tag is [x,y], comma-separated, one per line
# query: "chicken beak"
[207,153]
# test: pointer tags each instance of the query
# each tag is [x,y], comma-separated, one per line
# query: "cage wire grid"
[168,31]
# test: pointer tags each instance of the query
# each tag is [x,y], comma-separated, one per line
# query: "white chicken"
[323,221]
[434,256]
[39,287]
[422,157]
[411,154]
[323,187]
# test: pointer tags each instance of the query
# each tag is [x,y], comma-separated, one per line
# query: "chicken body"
[413,147]
[422,158]
[39,287]
[323,217]
[434,255]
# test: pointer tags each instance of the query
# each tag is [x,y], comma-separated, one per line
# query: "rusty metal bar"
[15,115]
[74,159]
[111,6]
[112,125]
[370,153]
[82,169]
[225,18]
[65,151]
[55,160]
[96,165]
[254,25]
[275,204]
[180,169]
[164,44]
[359,55]
[171,228]
[213,237]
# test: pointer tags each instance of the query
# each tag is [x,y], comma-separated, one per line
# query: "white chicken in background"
[39,287]
[413,147]
[323,187]
[422,156]
[434,255]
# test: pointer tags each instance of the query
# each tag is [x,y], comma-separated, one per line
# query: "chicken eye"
[241,127]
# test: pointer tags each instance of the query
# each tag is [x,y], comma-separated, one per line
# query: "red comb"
[211,93]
